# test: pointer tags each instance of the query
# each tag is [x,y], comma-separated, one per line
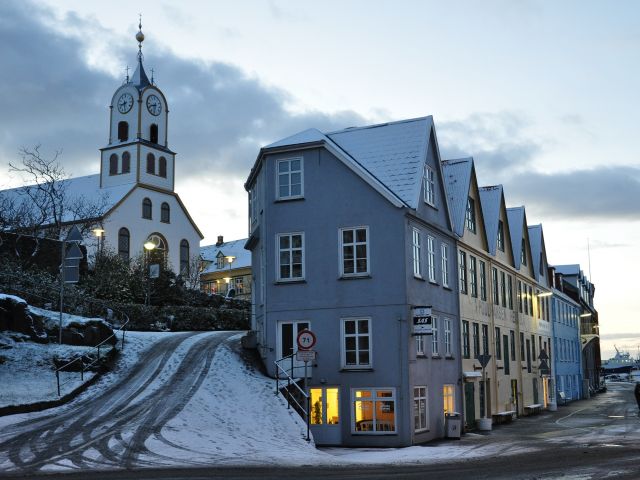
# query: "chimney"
[220,241]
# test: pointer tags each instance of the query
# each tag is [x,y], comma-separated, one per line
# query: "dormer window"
[220,261]
[500,236]
[151,164]
[153,133]
[123,131]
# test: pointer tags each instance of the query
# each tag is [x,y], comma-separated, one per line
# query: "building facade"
[350,231]
[226,269]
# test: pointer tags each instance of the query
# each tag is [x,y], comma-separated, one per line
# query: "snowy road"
[111,429]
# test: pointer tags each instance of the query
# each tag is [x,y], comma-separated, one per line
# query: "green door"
[469,406]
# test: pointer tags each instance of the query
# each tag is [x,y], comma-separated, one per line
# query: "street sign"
[543,368]
[74,235]
[543,355]
[306,355]
[154,270]
[306,340]
[422,320]
[484,360]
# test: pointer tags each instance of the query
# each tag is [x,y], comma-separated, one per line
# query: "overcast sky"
[544,96]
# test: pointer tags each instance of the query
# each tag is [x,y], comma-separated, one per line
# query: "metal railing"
[288,393]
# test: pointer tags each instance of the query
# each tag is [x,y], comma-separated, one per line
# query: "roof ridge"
[386,124]
[455,161]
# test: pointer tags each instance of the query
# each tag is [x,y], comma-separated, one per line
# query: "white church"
[137,178]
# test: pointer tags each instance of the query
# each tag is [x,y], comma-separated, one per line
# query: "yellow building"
[226,269]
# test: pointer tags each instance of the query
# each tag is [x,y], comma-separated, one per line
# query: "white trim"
[277,253]
[416,248]
[341,252]
[428,178]
[277,180]
[343,353]
[444,247]
[426,408]
[431,257]
[373,399]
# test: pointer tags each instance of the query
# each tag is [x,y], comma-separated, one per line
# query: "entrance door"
[287,345]
[469,406]
[325,415]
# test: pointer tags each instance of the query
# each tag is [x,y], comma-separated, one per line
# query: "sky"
[544,95]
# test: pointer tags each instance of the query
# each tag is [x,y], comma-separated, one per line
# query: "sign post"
[484,361]
[306,341]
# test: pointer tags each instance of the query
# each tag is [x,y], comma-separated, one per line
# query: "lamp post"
[148,246]
[99,233]
[230,259]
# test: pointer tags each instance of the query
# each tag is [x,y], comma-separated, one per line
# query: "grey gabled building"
[349,231]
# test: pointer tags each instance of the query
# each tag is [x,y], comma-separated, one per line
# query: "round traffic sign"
[306,340]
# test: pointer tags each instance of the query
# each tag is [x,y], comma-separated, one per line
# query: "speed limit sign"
[306,340]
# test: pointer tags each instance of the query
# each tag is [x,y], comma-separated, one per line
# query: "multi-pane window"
[494,281]
[290,178]
[290,256]
[462,274]
[354,250]
[466,350]
[448,399]
[356,343]
[434,336]
[503,288]
[419,344]
[512,337]
[420,409]
[253,205]
[417,254]
[429,186]
[473,276]
[523,252]
[483,281]
[510,291]
[470,215]
[431,256]
[447,336]
[498,348]
[485,339]
[374,410]
[500,235]
[476,340]
[123,244]
[444,248]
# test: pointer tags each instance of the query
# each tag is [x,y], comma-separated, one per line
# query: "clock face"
[153,105]
[125,102]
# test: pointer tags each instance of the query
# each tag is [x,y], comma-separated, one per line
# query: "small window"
[123,131]
[126,162]
[494,280]
[434,336]
[466,347]
[356,343]
[447,337]
[184,257]
[290,178]
[512,336]
[483,281]
[429,186]
[113,164]
[165,213]
[473,276]
[500,236]
[498,348]
[124,240]
[510,292]
[476,340]
[417,254]
[470,216]
[153,133]
[503,289]
[146,209]
[162,167]
[462,274]
[419,345]
[485,339]
[431,256]
[444,248]
[290,256]
[151,164]
[420,409]
[354,251]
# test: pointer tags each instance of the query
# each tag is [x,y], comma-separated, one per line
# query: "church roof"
[139,78]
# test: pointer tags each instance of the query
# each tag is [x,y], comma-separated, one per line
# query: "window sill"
[354,277]
[356,369]
[433,282]
[289,282]
[418,277]
[146,218]
[288,199]
[421,355]
[162,221]
[447,287]
[436,356]
[449,357]
[422,430]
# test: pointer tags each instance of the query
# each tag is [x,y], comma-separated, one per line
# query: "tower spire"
[140,37]
[140,79]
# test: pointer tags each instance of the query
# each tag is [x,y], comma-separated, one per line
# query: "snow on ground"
[52,319]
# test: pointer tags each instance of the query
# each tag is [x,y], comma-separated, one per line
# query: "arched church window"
[162,167]
[165,212]
[123,244]
[113,164]
[159,250]
[151,163]
[146,208]
[153,133]
[184,257]
[123,131]
[126,162]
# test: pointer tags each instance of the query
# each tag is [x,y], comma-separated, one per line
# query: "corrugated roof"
[516,224]
[457,181]
[394,153]
[233,248]
[490,198]
[83,189]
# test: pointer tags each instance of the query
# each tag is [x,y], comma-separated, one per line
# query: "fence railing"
[288,393]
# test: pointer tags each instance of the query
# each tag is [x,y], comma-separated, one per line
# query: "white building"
[137,178]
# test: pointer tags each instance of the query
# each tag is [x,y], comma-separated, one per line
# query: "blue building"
[349,231]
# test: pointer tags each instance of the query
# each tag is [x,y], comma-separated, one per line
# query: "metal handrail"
[290,380]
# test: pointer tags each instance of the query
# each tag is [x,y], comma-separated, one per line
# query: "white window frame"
[462,272]
[444,250]
[470,215]
[417,253]
[374,398]
[288,174]
[356,335]
[420,408]
[434,337]
[500,236]
[354,245]
[447,337]
[431,256]
[290,250]
[429,182]
[420,346]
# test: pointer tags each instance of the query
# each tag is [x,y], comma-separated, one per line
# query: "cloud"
[604,193]
[219,118]
[497,141]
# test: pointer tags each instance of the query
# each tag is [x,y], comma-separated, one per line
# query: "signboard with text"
[422,321]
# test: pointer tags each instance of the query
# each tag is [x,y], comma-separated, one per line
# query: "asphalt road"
[109,430]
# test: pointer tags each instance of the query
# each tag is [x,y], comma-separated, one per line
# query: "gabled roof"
[389,156]
[233,248]
[79,189]
[516,224]
[490,199]
[457,181]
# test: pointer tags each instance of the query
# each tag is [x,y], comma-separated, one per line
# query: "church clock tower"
[138,149]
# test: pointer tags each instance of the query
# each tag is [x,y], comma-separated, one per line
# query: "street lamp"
[148,246]
[230,259]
